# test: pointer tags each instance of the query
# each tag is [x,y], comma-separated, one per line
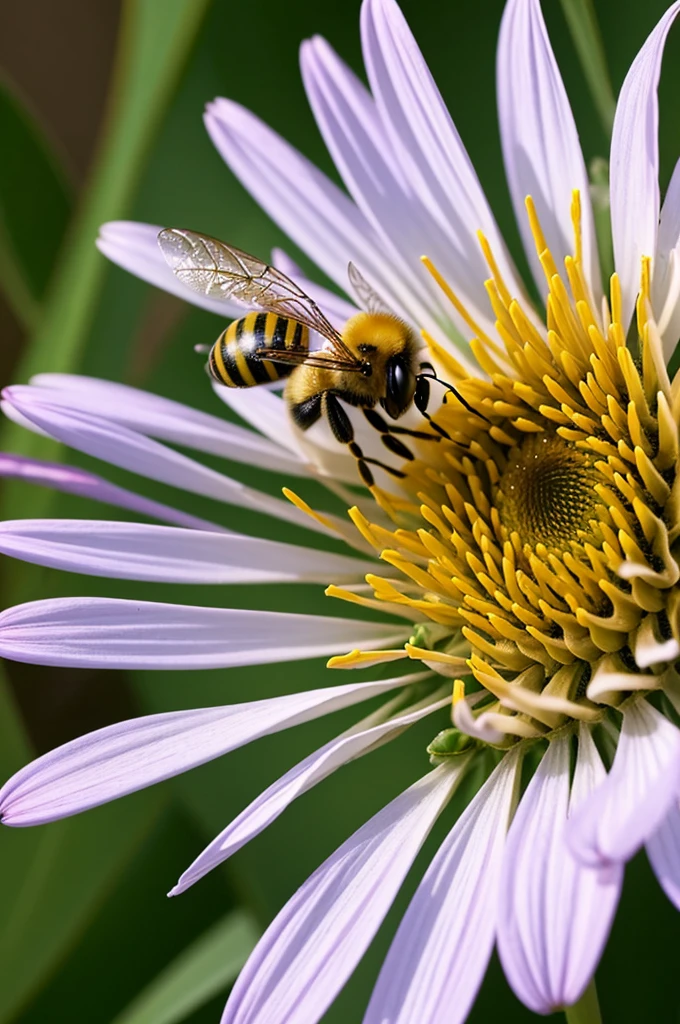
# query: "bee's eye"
[400,384]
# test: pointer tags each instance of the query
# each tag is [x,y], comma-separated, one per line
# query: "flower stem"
[586,1010]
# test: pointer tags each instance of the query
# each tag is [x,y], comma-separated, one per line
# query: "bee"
[373,362]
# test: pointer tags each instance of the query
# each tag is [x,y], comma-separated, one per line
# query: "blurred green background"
[100,115]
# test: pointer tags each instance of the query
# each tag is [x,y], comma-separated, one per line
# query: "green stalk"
[585,32]
[586,1010]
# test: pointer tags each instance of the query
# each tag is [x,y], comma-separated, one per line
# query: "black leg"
[380,424]
[305,414]
[343,431]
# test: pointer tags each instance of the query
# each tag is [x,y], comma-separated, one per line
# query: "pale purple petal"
[541,147]
[111,633]
[352,130]
[634,164]
[666,278]
[437,960]
[128,756]
[314,212]
[337,309]
[313,945]
[629,806]
[87,485]
[166,554]
[663,850]
[273,801]
[555,914]
[114,443]
[163,419]
[432,158]
[134,247]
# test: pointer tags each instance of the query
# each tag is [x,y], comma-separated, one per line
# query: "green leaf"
[53,879]
[155,40]
[202,971]
[15,746]
[585,32]
[35,205]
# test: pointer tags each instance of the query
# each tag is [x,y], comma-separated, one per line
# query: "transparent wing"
[368,298]
[219,270]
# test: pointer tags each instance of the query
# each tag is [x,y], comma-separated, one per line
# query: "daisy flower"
[520,567]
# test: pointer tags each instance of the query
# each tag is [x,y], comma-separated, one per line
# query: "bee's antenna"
[425,392]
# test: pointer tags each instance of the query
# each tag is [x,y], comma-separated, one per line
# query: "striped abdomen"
[233,359]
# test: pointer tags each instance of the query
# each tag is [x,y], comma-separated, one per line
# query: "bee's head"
[400,385]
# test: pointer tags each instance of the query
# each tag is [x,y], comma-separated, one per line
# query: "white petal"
[353,132]
[273,801]
[634,164]
[555,914]
[110,633]
[134,247]
[663,850]
[437,960]
[140,551]
[128,756]
[111,442]
[432,157]
[540,142]
[313,211]
[628,807]
[316,941]
[163,419]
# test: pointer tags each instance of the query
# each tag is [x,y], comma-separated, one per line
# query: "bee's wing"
[223,272]
[368,298]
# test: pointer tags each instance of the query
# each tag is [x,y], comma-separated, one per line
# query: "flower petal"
[352,130]
[555,914]
[140,551]
[128,756]
[163,419]
[663,850]
[337,309]
[437,960]
[77,481]
[431,155]
[134,247]
[629,806]
[111,633]
[313,945]
[313,211]
[359,740]
[634,164]
[540,142]
[116,444]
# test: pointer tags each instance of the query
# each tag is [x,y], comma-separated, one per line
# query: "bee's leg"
[421,400]
[306,413]
[386,430]
[343,431]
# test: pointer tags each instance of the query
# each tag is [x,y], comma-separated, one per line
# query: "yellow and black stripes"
[234,359]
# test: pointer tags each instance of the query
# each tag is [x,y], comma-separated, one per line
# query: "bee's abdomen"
[233,359]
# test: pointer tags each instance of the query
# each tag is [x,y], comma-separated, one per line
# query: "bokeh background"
[100,118]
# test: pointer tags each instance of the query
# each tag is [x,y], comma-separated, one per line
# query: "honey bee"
[373,362]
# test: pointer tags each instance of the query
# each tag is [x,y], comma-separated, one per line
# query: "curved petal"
[540,142]
[128,756]
[116,444]
[629,806]
[110,633]
[359,740]
[88,485]
[313,211]
[440,952]
[663,850]
[313,945]
[431,155]
[352,130]
[163,419]
[134,247]
[141,551]
[634,164]
[555,914]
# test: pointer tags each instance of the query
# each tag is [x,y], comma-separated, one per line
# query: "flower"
[531,540]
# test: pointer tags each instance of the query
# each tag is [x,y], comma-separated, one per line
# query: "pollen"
[533,545]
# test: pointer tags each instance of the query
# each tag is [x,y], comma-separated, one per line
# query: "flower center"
[546,494]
